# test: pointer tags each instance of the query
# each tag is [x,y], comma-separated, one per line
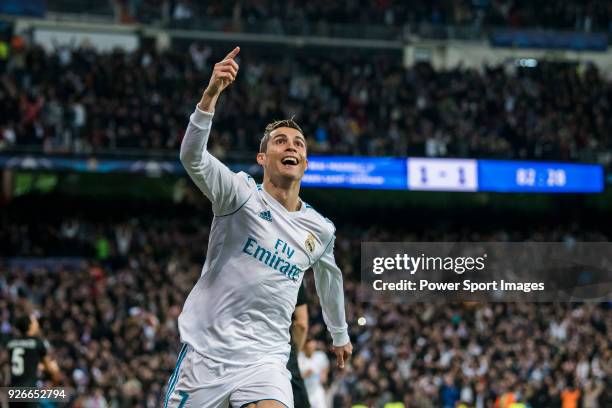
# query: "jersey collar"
[274,202]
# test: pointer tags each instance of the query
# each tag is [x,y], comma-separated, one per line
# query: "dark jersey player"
[26,351]
[299,330]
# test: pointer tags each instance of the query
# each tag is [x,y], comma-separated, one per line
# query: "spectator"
[314,366]
[570,396]
[449,393]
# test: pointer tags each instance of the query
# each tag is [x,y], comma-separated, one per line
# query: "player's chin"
[291,172]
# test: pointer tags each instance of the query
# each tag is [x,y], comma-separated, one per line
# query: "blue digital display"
[539,177]
[356,172]
[35,8]
[383,173]
[517,38]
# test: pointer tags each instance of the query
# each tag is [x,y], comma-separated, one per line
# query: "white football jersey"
[240,309]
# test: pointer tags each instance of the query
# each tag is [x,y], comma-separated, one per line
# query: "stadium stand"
[320,17]
[80,101]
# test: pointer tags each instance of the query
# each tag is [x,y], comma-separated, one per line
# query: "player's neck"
[287,196]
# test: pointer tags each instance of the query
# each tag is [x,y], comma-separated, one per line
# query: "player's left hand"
[343,353]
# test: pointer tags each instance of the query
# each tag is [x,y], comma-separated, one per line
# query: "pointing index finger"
[232,53]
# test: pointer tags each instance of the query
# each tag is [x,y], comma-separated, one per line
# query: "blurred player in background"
[314,367]
[299,332]
[27,352]
[235,323]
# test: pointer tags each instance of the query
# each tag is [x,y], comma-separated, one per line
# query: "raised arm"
[224,188]
[49,363]
[328,282]
[52,368]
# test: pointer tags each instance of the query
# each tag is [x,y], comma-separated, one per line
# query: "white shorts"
[199,382]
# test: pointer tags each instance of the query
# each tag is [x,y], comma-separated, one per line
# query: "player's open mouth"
[290,161]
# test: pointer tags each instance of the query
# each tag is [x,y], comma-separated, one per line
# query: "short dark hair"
[290,123]
[23,324]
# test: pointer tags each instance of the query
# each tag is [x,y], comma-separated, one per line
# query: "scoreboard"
[437,174]
[381,173]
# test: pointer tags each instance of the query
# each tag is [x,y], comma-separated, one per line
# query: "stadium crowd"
[111,318]
[592,15]
[77,100]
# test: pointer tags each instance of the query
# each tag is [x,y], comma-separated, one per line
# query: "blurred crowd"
[75,99]
[111,317]
[592,15]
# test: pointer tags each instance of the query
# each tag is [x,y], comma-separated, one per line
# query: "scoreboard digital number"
[442,174]
[550,178]
[539,177]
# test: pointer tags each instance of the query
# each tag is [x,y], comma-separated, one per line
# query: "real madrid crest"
[310,243]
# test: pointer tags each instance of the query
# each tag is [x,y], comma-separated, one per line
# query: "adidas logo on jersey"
[266,215]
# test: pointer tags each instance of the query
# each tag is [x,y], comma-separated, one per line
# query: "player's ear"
[261,158]
[305,164]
